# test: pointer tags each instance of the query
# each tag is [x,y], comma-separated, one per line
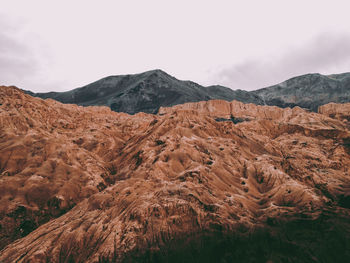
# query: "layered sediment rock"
[337,111]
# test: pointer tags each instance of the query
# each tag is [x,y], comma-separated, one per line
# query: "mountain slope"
[308,91]
[148,91]
[86,184]
[144,92]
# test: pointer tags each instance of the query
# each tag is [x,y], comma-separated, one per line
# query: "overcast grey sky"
[61,45]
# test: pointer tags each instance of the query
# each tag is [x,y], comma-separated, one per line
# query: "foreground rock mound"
[212,181]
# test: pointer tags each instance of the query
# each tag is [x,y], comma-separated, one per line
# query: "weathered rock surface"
[145,92]
[191,184]
[148,91]
[337,111]
[308,91]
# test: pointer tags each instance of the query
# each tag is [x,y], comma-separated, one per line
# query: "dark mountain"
[145,92]
[148,91]
[308,91]
[223,93]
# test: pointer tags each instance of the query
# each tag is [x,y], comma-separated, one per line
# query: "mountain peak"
[158,71]
[143,92]
[150,90]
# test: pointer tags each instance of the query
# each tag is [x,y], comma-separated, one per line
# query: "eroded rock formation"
[211,181]
[337,111]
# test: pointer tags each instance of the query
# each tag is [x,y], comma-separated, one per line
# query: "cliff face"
[210,181]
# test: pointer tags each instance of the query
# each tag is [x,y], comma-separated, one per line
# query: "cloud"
[16,59]
[327,53]
[24,60]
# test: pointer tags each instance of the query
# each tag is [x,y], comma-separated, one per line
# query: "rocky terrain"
[308,91]
[338,111]
[145,92]
[148,91]
[213,181]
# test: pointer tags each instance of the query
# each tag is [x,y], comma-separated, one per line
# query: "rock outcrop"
[211,181]
[338,111]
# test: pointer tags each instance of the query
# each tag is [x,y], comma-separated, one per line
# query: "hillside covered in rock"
[145,92]
[213,181]
[148,91]
[308,91]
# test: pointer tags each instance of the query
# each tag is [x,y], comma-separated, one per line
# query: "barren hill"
[145,92]
[212,181]
[148,91]
[308,91]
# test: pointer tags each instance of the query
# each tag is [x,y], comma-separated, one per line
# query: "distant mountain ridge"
[308,91]
[150,90]
[145,92]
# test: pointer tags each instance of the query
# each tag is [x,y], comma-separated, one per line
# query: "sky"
[61,45]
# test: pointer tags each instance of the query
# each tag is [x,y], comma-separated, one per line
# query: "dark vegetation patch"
[324,189]
[346,144]
[153,122]
[209,162]
[344,201]
[155,160]
[138,158]
[112,169]
[109,178]
[159,142]
[233,119]
[326,239]
[101,186]
[26,227]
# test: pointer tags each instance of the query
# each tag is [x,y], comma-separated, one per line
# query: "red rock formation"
[338,111]
[91,185]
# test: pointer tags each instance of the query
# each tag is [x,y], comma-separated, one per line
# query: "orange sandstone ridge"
[338,111]
[212,181]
